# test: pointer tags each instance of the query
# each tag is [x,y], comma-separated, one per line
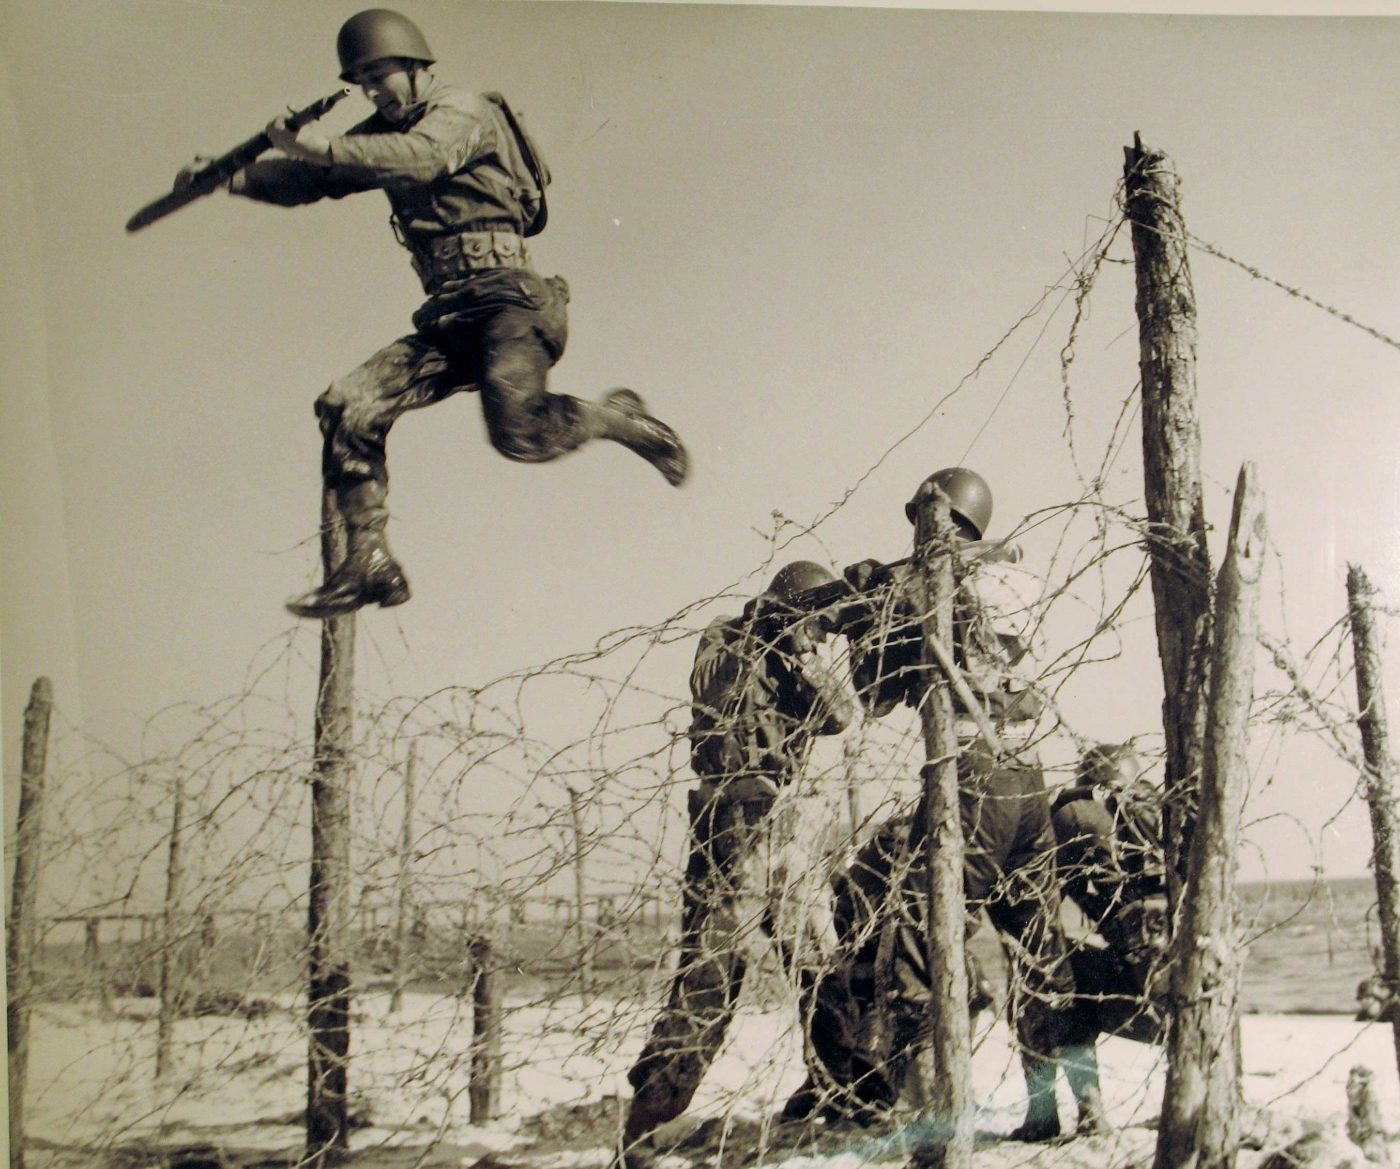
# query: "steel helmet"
[377,33]
[798,577]
[1113,766]
[969,497]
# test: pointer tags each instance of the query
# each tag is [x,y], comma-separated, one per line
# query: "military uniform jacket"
[993,620]
[448,167]
[754,708]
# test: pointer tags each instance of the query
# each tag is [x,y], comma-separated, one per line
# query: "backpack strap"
[532,163]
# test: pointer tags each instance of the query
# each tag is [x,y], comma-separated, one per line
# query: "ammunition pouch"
[450,257]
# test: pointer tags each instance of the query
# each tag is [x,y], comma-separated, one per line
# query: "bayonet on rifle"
[223,168]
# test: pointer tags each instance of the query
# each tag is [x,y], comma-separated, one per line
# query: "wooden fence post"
[328,916]
[1171,456]
[24,895]
[1380,780]
[484,1076]
[585,956]
[1199,1126]
[947,1064]
[169,972]
[401,955]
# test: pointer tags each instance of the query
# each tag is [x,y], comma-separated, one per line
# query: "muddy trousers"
[502,349]
[725,834]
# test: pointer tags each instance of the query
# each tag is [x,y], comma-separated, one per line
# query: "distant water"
[1310,943]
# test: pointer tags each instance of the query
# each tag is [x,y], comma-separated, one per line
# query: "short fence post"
[585,956]
[24,892]
[484,1077]
[170,991]
[401,955]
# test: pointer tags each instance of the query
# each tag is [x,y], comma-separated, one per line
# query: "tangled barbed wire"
[542,813]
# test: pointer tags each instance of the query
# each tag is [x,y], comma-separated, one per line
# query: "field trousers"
[498,331]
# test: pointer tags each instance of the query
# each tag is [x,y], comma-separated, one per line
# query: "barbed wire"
[546,820]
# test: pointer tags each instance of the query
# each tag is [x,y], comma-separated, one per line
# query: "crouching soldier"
[465,186]
[1110,864]
[867,1013]
[759,693]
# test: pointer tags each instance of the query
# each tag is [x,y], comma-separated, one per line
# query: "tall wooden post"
[169,971]
[1380,779]
[585,957]
[24,895]
[484,1075]
[947,1064]
[1202,1101]
[328,918]
[1171,456]
[401,955]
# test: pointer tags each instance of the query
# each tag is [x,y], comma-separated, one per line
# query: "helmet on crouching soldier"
[1114,767]
[378,34]
[969,499]
[797,578]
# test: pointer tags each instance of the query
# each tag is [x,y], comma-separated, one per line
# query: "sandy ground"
[239,1084]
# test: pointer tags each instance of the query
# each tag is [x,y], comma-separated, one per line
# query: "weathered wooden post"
[947,1063]
[851,760]
[401,955]
[1202,1101]
[585,956]
[169,971]
[1171,456]
[484,1076]
[328,917]
[1380,780]
[24,896]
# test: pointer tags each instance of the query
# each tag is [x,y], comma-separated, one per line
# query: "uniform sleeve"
[452,134]
[289,182]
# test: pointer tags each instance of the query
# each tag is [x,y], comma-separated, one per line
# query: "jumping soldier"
[758,695]
[867,1016]
[465,186]
[1110,864]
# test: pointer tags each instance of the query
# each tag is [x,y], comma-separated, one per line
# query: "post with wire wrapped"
[949,1106]
[1202,1102]
[1171,458]
[1380,782]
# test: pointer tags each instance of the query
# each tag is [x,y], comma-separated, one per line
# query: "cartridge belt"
[449,257]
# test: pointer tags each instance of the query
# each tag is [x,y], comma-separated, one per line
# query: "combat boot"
[369,573]
[624,419]
[1081,1064]
[1042,1121]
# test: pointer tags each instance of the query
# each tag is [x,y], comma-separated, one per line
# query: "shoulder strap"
[532,162]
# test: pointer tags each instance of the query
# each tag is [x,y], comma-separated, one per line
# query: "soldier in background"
[466,187]
[759,694]
[1109,858]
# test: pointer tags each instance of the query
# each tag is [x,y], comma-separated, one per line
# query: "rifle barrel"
[223,168]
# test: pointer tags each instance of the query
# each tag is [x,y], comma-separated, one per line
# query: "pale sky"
[792,229]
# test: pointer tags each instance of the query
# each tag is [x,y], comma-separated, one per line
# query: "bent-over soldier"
[759,694]
[465,186]
[1009,864]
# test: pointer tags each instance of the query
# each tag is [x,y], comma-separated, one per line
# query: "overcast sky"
[792,229]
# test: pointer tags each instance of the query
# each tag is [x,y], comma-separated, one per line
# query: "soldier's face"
[389,85]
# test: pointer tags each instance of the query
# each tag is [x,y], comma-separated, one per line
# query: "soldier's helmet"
[375,34]
[796,578]
[1112,766]
[969,497]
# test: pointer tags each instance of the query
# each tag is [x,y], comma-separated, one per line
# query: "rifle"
[212,177]
[987,551]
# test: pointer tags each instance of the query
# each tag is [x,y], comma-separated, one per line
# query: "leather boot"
[1081,1065]
[625,420]
[1042,1121]
[369,573]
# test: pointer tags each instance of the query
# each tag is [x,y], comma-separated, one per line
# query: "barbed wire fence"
[533,878]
